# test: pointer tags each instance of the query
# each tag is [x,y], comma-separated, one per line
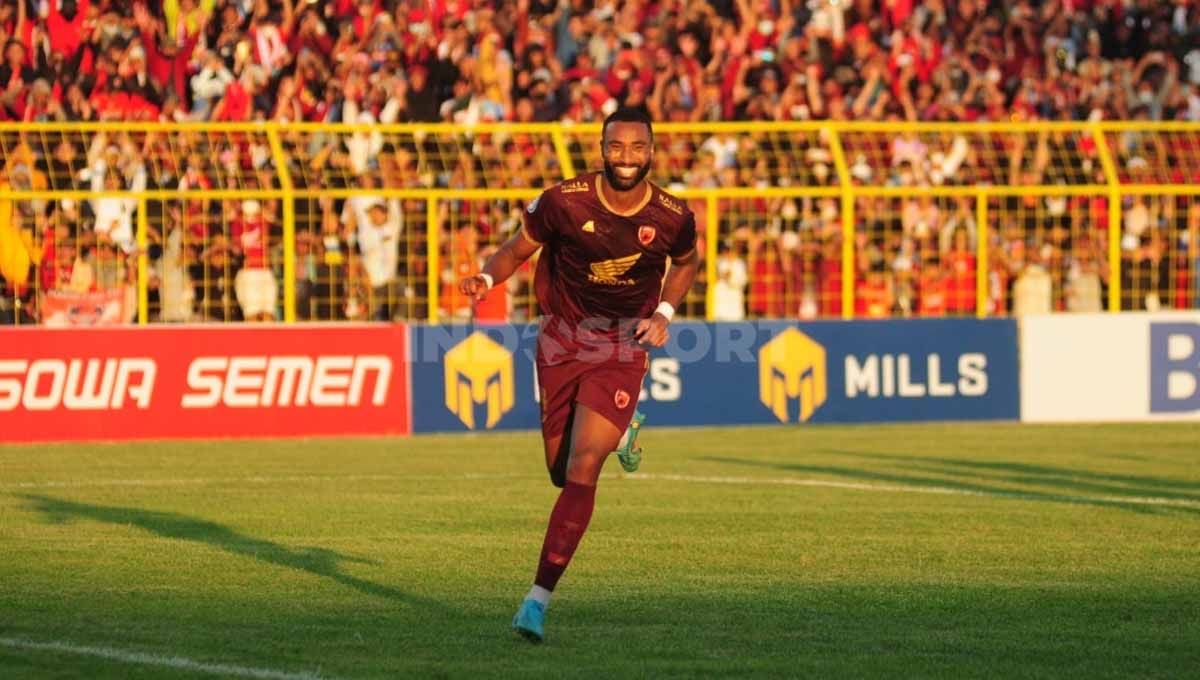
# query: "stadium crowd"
[471,61]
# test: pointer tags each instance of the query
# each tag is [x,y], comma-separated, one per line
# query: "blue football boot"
[530,620]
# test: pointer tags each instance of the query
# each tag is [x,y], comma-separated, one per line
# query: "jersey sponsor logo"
[77,384]
[589,227]
[670,204]
[533,204]
[621,399]
[790,366]
[608,272]
[646,234]
[575,186]
[260,381]
[479,371]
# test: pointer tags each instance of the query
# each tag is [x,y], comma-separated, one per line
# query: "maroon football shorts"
[609,388]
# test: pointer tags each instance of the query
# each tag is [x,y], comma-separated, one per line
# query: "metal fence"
[231,222]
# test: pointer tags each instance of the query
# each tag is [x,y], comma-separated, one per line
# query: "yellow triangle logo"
[589,226]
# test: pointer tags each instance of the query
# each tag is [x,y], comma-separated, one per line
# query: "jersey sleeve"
[540,218]
[685,240]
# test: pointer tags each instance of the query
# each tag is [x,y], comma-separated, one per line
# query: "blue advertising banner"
[483,377]
[474,377]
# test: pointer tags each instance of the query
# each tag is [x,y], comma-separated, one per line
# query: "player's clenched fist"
[475,286]
[653,331]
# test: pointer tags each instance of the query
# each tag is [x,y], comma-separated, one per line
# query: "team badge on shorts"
[646,234]
[621,398]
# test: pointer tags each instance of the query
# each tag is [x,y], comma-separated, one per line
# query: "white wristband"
[666,310]
[487,278]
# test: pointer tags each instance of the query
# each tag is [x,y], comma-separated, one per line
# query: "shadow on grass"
[317,561]
[970,486]
[1047,475]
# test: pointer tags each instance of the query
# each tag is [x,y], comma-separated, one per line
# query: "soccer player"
[606,238]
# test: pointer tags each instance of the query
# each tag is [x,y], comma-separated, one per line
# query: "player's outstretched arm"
[679,279]
[500,265]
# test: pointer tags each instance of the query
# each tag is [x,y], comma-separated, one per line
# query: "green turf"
[929,551]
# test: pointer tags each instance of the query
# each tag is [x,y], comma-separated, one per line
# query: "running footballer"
[606,238]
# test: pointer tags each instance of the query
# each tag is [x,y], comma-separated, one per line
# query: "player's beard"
[614,181]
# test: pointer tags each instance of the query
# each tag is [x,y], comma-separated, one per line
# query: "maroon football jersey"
[599,268]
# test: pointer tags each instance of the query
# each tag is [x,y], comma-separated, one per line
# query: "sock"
[568,521]
[539,594]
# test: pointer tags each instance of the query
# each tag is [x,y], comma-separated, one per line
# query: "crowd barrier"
[483,377]
[393,379]
[203,382]
[390,379]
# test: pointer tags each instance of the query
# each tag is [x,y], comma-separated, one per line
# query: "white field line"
[177,662]
[898,488]
[648,477]
[256,479]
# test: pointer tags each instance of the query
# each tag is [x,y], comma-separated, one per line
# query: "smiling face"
[628,151]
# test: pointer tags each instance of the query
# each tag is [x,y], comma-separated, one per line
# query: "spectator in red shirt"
[255,283]
[66,26]
[15,76]
[874,295]
[961,283]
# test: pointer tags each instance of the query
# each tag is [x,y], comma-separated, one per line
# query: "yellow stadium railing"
[828,219]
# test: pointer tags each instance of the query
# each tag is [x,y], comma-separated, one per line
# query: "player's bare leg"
[558,454]
[592,438]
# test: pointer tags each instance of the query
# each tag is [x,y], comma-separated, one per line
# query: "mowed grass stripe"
[382,558]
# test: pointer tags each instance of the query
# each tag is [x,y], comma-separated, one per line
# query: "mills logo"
[479,371]
[790,366]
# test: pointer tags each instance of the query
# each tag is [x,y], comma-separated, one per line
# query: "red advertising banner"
[203,382]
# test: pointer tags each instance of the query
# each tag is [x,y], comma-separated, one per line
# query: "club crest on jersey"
[646,234]
[621,398]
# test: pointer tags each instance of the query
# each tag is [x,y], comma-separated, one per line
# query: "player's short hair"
[628,114]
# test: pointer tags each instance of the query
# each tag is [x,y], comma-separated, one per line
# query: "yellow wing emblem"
[610,269]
